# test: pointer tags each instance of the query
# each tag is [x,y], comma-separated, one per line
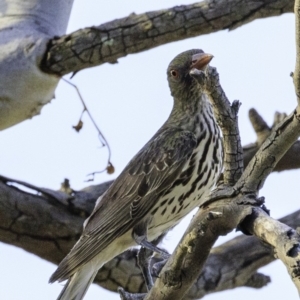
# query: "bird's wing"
[132,195]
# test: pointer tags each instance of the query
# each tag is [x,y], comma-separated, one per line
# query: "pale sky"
[130,101]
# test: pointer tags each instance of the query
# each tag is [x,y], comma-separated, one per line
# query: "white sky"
[130,100]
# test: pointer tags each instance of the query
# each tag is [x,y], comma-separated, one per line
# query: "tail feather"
[77,285]
[81,277]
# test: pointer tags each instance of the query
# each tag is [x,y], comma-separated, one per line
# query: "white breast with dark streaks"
[196,180]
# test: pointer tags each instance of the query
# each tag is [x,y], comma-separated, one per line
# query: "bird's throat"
[189,107]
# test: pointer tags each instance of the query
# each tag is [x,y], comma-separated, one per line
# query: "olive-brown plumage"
[165,180]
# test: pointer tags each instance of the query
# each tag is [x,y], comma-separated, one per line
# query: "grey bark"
[135,33]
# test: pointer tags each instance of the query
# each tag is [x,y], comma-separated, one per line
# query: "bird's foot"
[150,246]
[143,261]
[144,256]
[139,234]
[129,296]
[157,267]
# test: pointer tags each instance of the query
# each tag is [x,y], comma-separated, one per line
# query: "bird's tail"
[77,285]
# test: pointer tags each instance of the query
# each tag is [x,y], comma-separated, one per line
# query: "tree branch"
[291,160]
[32,222]
[283,136]
[227,119]
[284,240]
[110,41]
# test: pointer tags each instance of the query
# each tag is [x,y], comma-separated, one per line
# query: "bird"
[170,176]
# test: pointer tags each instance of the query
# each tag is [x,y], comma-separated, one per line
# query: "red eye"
[174,73]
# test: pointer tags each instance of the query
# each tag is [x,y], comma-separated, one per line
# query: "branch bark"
[284,240]
[291,160]
[110,41]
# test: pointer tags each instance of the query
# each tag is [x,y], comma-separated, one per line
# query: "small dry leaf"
[110,169]
[79,126]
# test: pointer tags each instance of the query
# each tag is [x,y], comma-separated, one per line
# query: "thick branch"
[110,41]
[272,150]
[226,116]
[284,240]
[291,160]
[235,263]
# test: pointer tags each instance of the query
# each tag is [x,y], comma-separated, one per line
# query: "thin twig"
[109,168]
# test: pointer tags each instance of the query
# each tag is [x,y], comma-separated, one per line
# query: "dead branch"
[110,41]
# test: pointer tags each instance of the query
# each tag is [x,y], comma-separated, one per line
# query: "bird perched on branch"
[164,181]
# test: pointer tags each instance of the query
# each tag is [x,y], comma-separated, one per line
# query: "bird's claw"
[157,267]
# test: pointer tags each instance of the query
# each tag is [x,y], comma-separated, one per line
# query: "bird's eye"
[174,73]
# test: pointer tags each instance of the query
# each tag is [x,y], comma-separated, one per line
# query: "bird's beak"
[200,61]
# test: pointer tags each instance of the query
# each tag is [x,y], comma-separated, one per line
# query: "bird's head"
[182,82]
